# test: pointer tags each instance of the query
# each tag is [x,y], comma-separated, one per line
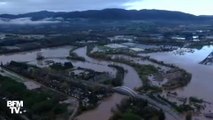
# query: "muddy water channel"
[59,54]
[30,56]
[201,85]
[56,54]
[202,75]
[103,111]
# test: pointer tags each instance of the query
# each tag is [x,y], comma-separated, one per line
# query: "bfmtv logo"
[15,106]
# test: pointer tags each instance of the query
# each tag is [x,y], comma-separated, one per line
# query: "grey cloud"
[23,6]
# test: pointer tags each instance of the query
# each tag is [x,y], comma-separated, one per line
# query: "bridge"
[131,93]
[125,91]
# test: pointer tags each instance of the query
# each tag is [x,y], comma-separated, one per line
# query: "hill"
[113,14]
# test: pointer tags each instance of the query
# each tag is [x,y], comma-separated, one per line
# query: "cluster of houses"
[86,94]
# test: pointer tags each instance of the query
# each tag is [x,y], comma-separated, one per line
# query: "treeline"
[182,81]
[136,110]
[118,80]
[48,41]
[74,56]
[143,70]
[60,66]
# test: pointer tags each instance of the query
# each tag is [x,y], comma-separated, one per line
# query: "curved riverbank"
[201,74]
[201,83]
[103,111]
[131,79]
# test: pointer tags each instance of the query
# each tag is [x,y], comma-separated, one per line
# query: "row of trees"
[60,66]
[136,110]
[118,80]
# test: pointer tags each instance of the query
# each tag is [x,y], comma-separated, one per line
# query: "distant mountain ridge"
[113,14]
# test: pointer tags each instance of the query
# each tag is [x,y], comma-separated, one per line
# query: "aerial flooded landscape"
[121,63]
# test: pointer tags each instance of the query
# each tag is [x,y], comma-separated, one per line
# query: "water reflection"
[202,76]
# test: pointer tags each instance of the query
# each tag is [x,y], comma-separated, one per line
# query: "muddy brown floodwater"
[201,84]
[103,111]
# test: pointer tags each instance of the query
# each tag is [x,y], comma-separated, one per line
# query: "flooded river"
[201,83]
[202,75]
[58,54]
[30,56]
[131,78]
[103,111]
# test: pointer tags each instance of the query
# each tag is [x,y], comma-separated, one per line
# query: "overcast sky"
[197,7]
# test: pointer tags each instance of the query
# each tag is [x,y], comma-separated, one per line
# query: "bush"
[130,116]
[59,66]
